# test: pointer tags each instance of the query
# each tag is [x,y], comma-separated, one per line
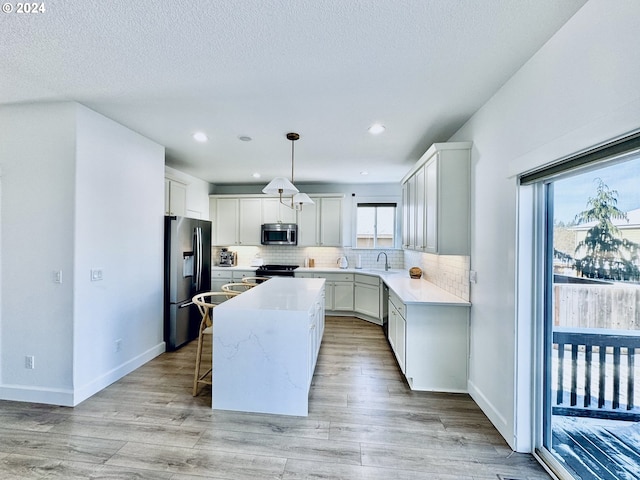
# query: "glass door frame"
[536,250]
[535,255]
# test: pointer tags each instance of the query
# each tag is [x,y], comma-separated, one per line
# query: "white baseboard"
[50,396]
[97,384]
[494,416]
[72,397]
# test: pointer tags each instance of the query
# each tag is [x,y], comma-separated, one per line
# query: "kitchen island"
[265,347]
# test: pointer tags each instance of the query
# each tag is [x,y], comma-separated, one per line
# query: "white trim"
[97,384]
[68,397]
[50,396]
[397,240]
[492,413]
[433,149]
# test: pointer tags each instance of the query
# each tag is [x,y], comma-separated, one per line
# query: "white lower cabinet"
[397,330]
[366,296]
[431,344]
[221,276]
[338,291]
[348,293]
[316,330]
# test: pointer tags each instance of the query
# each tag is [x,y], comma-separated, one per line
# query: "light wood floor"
[364,423]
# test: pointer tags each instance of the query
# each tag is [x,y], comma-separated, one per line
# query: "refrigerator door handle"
[198,260]
[187,304]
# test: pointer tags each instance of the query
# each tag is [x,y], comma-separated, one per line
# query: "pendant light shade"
[280,186]
[302,199]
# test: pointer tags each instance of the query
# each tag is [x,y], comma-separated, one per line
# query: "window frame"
[377,201]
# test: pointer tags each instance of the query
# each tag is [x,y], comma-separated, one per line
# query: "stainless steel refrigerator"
[187,271]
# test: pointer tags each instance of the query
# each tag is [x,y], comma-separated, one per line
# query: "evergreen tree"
[607,255]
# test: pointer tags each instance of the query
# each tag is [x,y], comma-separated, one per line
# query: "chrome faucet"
[386,260]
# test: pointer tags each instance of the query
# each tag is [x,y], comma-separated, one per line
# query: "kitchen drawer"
[304,275]
[335,277]
[393,298]
[221,274]
[368,279]
[240,274]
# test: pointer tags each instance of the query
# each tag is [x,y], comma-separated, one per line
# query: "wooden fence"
[615,306]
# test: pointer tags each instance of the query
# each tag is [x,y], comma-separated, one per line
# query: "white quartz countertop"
[411,290]
[237,267]
[279,293]
[407,289]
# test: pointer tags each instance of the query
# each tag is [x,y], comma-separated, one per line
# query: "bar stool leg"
[196,376]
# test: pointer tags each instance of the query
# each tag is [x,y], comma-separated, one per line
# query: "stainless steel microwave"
[279,234]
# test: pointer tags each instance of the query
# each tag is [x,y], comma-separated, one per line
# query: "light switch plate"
[96,274]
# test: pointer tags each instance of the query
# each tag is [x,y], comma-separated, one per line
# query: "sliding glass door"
[590,323]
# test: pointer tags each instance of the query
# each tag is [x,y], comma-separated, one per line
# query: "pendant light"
[281,186]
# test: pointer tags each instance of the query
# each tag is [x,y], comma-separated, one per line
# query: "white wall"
[119,229]
[581,89]
[70,180]
[37,151]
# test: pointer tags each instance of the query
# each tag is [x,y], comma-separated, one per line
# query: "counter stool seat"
[206,302]
[253,281]
[236,287]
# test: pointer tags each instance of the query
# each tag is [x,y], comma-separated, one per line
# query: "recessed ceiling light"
[376,129]
[245,138]
[256,175]
[200,137]
[364,172]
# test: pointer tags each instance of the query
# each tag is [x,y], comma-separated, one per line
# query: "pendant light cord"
[292,146]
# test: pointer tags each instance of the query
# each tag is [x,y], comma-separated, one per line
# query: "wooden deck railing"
[610,353]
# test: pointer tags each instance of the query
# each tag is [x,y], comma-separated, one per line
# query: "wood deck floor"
[364,423]
[598,450]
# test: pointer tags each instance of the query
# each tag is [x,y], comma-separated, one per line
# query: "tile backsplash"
[449,272]
[323,256]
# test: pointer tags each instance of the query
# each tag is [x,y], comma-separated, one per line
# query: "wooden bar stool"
[236,288]
[253,281]
[206,302]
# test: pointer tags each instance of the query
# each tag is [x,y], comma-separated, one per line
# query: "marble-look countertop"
[279,293]
[409,290]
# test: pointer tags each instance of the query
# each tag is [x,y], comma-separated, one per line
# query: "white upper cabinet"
[236,221]
[275,212]
[320,224]
[226,219]
[413,211]
[175,197]
[436,201]
[250,221]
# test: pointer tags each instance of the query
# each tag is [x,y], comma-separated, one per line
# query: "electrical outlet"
[57,276]
[30,362]
[96,274]
[473,276]
[118,345]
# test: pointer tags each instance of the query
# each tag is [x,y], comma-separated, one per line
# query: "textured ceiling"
[326,69]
